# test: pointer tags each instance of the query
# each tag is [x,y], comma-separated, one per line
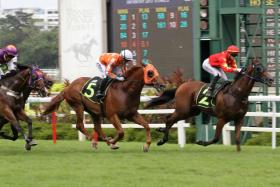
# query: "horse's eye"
[150,73]
[260,69]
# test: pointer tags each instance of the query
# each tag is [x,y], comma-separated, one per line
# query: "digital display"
[156,31]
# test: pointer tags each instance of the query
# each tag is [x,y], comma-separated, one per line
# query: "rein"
[257,79]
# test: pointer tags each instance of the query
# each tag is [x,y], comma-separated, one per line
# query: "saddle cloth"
[207,102]
[90,88]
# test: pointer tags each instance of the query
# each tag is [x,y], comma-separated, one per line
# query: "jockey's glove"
[120,78]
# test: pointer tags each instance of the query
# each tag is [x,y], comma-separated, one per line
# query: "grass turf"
[73,163]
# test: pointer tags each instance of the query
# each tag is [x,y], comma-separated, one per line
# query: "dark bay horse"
[231,102]
[121,102]
[14,92]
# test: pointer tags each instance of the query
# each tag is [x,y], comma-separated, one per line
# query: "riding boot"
[100,91]
[212,85]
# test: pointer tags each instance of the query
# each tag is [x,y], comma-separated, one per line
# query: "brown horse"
[121,102]
[231,102]
[14,92]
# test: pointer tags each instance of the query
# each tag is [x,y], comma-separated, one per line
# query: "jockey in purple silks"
[8,58]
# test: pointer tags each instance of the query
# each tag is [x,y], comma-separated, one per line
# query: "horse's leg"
[79,109]
[219,127]
[238,124]
[2,134]
[13,138]
[97,128]
[171,119]
[114,119]
[9,115]
[23,117]
[141,121]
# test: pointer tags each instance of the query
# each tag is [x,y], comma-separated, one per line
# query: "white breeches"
[102,69]
[212,70]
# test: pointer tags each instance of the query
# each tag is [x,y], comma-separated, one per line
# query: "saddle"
[90,88]
[209,102]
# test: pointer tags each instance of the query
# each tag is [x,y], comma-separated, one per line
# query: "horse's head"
[150,74]
[257,72]
[39,81]
[152,78]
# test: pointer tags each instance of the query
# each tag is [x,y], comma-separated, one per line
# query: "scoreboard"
[156,31]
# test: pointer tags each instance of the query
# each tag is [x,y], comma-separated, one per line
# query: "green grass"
[73,163]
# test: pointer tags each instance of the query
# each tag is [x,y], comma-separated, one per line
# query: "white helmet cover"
[127,55]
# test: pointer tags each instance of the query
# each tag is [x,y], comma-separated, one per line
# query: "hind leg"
[174,118]
[79,109]
[171,119]
[219,128]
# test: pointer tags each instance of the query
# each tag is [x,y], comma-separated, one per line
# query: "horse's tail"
[165,97]
[54,104]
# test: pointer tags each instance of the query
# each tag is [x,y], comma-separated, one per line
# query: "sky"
[5,4]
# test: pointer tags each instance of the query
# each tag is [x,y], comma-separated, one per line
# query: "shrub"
[262,139]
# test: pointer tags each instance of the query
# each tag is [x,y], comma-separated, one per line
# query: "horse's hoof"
[114,146]
[28,147]
[145,149]
[199,142]
[94,145]
[32,143]
[160,142]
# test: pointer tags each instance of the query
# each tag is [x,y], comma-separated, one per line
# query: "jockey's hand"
[120,78]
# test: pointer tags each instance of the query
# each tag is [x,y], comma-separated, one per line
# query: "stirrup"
[99,96]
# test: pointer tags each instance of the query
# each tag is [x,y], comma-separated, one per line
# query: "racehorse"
[231,101]
[121,102]
[14,92]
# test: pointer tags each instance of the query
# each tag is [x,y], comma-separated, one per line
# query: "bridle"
[257,70]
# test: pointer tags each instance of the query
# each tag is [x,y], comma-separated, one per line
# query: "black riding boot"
[212,85]
[100,91]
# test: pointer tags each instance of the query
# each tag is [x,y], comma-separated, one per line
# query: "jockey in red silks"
[8,58]
[110,66]
[219,63]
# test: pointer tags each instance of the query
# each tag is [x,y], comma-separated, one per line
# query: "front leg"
[137,118]
[23,117]
[114,119]
[238,124]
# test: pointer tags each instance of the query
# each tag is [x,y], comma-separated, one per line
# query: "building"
[45,18]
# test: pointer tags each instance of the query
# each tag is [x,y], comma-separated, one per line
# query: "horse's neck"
[242,87]
[134,84]
[17,82]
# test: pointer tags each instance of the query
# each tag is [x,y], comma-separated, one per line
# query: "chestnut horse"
[231,102]
[121,102]
[14,92]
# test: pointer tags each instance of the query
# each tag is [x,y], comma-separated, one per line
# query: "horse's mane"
[22,67]
[132,70]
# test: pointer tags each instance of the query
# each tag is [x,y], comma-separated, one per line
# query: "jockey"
[110,66]
[219,63]
[8,58]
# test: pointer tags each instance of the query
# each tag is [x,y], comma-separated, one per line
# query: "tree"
[35,46]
